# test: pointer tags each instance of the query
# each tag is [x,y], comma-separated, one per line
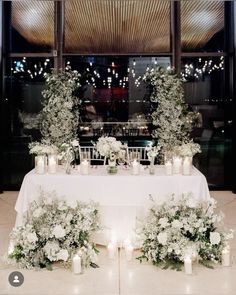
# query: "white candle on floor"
[226,256]
[168,166]
[84,167]
[188,265]
[76,264]
[129,252]
[111,250]
[135,165]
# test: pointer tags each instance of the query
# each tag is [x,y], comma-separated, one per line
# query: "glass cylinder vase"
[52,163]
[152,166]
[40,164]
[187,165]
[112,166]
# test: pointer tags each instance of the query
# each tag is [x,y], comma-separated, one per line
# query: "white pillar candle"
[187,166]
[129,252]
[111,250]
[40,164]
[226,257]
[136,167]
[168,167]
[188,265]
[84,167]
[177,163]
[52,164]
[76,264]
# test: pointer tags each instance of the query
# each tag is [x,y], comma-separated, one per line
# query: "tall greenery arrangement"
[60,113]
[171,117]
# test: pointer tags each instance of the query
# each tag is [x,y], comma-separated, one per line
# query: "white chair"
[139,153]
[89,153]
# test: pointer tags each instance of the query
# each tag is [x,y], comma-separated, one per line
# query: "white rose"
[176,224]
[58,232]
[163,222]
[62,255]
[38,212]
[215,238]
[162,238]
[75,143]
[32,237]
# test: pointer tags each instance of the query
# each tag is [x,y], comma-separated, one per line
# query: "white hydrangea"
[32,238]
[162,238]
[58,231]
[63,255]
[215,238]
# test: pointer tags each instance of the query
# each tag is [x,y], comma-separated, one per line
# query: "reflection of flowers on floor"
[179,227]
[54,230]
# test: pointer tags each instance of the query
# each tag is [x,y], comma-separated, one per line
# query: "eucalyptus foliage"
[60,114]
[171,116]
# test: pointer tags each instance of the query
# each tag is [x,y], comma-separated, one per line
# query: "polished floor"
[119,276]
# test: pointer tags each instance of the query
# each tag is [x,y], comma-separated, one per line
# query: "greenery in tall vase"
[171,117]
[60,113]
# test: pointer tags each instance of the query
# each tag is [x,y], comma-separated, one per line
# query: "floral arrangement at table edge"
[42,148]
[152,152]
[188,149]
[69,151]
[54,230]
[110,148]
[179,227]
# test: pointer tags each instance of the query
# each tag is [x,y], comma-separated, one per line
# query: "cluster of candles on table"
[45,164]
[188,260]
[178,165]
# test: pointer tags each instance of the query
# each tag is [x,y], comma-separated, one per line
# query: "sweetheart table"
[122,197]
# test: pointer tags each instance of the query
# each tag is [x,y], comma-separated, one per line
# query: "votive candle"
[84,167]
[136,167]
[188,265]
[226,257]
[168,167]
[76,264]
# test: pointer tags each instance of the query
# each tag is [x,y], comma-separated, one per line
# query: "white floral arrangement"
[42,148]
[181,226]
[60,113]
[110,148]
[53,231]
[152,151]
[171,116]
[189,149]
[69,151]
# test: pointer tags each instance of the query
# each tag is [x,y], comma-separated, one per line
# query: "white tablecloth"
[122,197]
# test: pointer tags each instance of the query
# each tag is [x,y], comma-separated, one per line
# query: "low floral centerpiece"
[189,149]
[68,153]
[111,149]
[181,226]
[152,152]
[54,230]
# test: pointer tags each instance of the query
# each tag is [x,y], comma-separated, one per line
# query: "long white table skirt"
[122,197]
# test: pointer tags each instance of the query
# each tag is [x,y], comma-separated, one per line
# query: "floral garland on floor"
[54,230]
[180,226]
[171,117]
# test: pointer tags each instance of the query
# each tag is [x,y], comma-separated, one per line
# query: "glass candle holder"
[52,163]
[177,164]
[40,164]
[187,165]
[135,167]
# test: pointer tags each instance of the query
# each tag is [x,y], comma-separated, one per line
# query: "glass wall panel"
[125,27]
[24,83]
[113,93]
[32,26]
[202,26]
[205,93]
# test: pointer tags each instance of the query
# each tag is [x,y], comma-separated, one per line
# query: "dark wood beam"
[59,7]
[175,34]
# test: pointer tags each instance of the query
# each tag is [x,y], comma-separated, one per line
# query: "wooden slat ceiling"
[118,26]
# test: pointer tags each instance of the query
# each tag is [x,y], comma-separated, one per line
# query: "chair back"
[89,153]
